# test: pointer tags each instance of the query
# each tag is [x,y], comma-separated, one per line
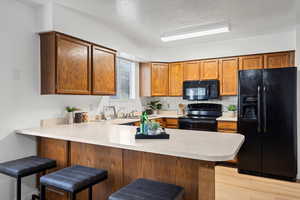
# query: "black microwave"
[201,90]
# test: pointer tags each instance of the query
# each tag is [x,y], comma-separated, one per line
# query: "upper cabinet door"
[175,79]
[279,60]
[251,62]
[209,69]
[228,76]
[159,79]
[73,66]
[191,71]
[104,70]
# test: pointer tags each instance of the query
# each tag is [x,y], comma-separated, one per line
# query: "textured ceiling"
[144,21]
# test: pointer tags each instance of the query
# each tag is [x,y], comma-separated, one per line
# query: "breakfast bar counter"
[187,159]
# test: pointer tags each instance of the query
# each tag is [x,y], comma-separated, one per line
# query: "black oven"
[201,90]
[201,117]
[200,124]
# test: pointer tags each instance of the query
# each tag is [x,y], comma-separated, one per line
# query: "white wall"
[251,45]
[21,104]
[89,28]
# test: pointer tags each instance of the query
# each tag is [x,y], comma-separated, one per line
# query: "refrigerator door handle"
[258,109]
[265,108]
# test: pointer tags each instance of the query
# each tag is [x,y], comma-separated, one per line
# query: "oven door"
[198,124]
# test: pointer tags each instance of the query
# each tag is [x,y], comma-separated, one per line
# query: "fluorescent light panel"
[195,34]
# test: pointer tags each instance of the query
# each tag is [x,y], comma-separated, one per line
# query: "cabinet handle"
[265,109]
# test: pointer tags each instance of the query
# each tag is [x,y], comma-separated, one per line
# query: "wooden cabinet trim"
[48,63]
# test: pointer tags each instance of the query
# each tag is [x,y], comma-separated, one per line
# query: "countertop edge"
[190,156]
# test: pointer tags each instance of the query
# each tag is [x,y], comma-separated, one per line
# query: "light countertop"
[227,118]
[126,121]
[199,145]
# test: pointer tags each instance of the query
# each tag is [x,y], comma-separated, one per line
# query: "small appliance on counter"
[201,90]
[201,116]
[267,117]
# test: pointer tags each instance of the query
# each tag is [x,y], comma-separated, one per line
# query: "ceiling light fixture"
[182,36]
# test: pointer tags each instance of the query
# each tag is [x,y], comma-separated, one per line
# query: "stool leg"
[90,193]
[19,188]
[43,192]
[72,196]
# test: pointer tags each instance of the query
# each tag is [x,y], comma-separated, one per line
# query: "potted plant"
[70,114]
[154,128]
[232,110]
[155,106]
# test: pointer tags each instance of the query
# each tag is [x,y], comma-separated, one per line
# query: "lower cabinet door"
[57,150]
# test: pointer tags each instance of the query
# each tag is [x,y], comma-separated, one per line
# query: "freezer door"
[249,120]
[279,150]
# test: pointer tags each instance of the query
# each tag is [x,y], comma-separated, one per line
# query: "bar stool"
[23,167]
[73,179]
[149,190]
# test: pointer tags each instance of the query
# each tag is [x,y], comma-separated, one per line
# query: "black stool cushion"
[143,189]
[26,166]
[74,179]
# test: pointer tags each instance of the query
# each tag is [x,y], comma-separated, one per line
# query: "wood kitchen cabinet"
[73,66]
[227,126]
[175,79]
[171,123]
[251,62]
[70,65]
[154,79]
[209,69]
[228,75]
[104,71]
[279,60]
[160,79]
[57,150]
[223,69]
[191,71]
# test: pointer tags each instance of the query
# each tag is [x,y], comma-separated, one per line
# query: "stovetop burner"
[197,117]
[201,117]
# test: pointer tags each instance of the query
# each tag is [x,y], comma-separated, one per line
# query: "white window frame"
[133,81]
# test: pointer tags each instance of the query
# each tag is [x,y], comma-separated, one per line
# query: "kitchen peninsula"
[187,159]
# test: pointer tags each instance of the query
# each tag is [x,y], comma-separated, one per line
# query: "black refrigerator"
[267,117]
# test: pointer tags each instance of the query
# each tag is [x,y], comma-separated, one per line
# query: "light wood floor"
[230,185]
